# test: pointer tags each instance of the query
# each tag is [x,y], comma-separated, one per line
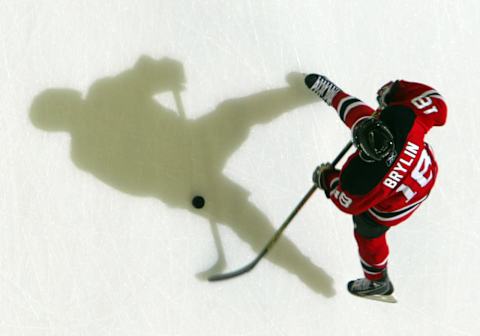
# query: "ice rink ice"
[113,114]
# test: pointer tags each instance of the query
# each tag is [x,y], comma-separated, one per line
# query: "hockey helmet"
[373,139]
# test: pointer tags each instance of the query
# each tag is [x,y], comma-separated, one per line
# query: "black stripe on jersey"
[345,105]
[435,95]
[432,94]
[334,184]
[392,214]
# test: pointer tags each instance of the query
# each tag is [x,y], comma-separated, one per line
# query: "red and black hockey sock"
[372,246]
[373,256]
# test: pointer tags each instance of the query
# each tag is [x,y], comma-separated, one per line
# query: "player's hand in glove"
[320,176]
[385,93]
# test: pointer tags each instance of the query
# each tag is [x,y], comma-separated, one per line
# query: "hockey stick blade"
[236,273]
[273,240]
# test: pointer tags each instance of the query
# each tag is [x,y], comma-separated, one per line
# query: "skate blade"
[379,298]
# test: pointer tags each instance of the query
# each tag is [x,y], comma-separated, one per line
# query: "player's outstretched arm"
[427,104]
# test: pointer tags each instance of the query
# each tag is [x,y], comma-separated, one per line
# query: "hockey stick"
[278,233]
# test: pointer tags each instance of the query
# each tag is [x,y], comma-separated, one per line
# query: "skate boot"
[366,287]
[322,87]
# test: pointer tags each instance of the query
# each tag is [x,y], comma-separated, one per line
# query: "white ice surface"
[90,246]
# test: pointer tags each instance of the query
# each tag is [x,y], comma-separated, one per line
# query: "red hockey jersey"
[389,192]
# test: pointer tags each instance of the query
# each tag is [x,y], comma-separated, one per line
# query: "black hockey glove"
[320,177]
[385,93]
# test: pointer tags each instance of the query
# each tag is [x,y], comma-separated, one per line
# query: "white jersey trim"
[389,219]
[406,207]
[336,179]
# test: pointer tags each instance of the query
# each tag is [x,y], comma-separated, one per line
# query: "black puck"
[198,202]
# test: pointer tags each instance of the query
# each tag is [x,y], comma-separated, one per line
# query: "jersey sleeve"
[350,109]
[427,104]
[352,204]
[347,201]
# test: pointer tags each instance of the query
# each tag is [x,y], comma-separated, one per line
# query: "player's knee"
[367,228]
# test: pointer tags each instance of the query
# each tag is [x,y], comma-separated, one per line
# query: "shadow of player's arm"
[261,107]
[230,123]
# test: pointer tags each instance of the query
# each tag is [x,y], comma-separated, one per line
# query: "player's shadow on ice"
[122,135]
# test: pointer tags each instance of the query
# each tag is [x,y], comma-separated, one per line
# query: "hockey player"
[391,172]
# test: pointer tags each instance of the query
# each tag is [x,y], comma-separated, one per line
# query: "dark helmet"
[373,139]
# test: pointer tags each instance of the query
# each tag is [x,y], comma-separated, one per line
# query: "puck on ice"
[198,202]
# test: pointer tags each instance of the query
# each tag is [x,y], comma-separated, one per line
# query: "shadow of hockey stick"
[220,264]
[279,232]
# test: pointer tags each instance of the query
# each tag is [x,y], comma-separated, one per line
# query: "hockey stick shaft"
[279,232]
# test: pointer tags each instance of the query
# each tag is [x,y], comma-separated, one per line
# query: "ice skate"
[379,290]
[322,87]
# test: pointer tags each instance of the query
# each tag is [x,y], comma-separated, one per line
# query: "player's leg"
[373,250]
[349,108]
